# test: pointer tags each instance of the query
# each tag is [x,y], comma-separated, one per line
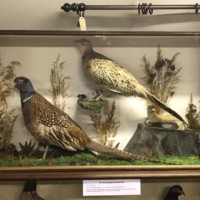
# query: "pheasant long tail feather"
[155,100]
[93,146]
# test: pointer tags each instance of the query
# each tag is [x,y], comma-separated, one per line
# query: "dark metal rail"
[143,8]
[97,33]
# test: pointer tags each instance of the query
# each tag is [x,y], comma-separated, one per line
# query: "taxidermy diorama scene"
[97,102]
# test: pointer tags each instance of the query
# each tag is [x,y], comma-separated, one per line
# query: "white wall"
[46,14]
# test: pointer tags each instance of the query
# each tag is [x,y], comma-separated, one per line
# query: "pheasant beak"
[82,45]
[78,42]
[82,42]
[182,192]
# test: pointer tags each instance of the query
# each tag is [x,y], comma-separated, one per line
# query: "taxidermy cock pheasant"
[174,192]
[51,126]
[106,74]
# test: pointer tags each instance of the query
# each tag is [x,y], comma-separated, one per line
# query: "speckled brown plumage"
[106,74]
[50,125]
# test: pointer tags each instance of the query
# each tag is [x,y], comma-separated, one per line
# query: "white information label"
[113,187]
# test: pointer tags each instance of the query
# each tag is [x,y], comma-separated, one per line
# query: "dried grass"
[7,117]
[161,78]
[193,115]
[105,124]
[59,86]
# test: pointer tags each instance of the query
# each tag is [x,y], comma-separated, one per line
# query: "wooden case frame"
[97,172]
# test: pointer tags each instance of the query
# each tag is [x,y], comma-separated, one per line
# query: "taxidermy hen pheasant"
[174,192]
[107,74]
[51,126]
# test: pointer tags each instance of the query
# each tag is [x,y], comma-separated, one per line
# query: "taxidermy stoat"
[153,117]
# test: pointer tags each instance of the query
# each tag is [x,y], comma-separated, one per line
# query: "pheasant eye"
[20,81]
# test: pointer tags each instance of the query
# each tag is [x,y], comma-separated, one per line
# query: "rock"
[154,141]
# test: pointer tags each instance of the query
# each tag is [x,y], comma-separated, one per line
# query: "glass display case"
[154,65]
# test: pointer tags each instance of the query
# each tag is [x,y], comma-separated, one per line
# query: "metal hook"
[81,14]
[144,8]
[150,9]
[139,7]
[196,8]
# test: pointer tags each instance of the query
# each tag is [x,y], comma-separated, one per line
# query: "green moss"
[86,159]
[189,160]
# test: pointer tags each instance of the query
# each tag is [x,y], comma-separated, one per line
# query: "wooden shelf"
[98,172]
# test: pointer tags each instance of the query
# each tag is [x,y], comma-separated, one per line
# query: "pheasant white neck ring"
[27,98]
